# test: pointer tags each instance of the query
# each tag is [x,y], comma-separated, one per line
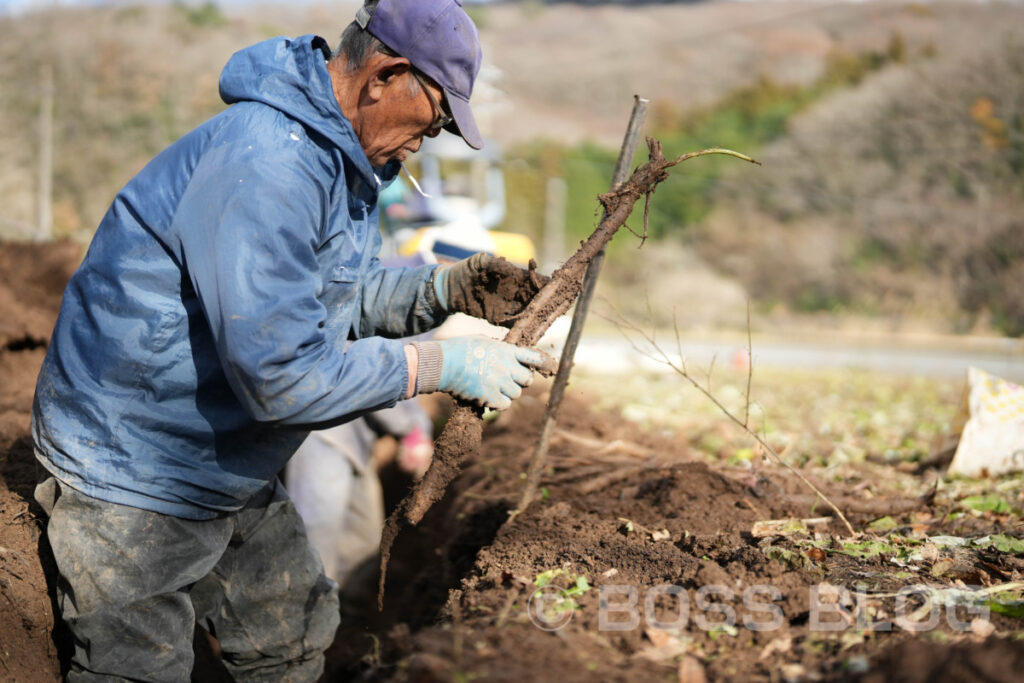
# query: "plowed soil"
[624,569]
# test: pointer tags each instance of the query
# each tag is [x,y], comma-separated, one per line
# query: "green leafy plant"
[790,558]
[1002,543]
[886,523]
[723,629]
[987,503]
[1013,609]
[575,586]
[578,582]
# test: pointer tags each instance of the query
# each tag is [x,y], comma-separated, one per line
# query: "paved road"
[609,351]
[615,354]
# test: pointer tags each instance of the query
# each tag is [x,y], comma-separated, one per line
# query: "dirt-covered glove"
[487,287]
[487,372]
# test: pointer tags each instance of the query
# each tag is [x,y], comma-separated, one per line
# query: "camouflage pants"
[134,583]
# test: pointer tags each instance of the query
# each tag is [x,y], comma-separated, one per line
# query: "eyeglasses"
[442,119]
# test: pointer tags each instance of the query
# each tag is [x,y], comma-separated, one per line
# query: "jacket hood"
[291,76]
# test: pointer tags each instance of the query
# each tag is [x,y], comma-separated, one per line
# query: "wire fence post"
[579,316]
[44,196]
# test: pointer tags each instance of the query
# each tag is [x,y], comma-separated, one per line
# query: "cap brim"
[464,125]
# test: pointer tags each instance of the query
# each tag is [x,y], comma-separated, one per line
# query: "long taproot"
[463,432]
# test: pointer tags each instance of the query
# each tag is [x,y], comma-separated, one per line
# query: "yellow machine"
[448,206]
[516,248]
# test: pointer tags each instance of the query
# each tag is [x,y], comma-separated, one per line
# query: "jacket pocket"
[344,274]
[340,291]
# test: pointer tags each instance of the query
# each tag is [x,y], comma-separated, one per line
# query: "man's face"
[403,116]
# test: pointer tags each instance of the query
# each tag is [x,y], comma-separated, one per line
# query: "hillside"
[891,135]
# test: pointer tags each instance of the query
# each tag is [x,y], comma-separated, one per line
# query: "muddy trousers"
[134,583]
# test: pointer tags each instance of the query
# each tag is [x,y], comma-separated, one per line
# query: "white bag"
[992,427]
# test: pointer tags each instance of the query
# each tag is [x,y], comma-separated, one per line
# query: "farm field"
[653,500]
[793,521]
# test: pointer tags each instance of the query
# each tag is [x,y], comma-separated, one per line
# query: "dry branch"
[604,447]
[619,474]
[681,369]
[875,508]
[463,432]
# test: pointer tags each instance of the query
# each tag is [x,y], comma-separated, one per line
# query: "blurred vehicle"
[444,208]
[450,210]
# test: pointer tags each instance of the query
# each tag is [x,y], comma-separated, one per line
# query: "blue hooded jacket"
[207,329]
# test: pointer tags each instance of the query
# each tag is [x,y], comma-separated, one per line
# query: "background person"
[333,481]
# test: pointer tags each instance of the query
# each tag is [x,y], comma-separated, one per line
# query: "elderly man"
[230,301]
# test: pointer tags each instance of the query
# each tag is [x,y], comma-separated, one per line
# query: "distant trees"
[906,192]
[893,181]
[129,81]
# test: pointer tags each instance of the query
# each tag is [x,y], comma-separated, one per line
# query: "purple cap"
[439,39]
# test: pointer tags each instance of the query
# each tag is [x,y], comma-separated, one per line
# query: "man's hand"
[488,372]
[487,287]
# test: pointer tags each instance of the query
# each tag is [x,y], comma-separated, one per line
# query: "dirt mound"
[995,660]
[32,280]
[635,533]
[599,517]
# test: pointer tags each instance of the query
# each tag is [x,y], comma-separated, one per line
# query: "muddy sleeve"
[249,225]
[399,302]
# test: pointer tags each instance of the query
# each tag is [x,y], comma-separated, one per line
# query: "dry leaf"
[982,627]
[777,527]
[828,594]
[942,567]
[852,638]
[778,646]
[691,670]
[793,672]
[929,552]
[659,637]
[666,645]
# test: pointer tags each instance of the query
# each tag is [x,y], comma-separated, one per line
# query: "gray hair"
[357,45]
